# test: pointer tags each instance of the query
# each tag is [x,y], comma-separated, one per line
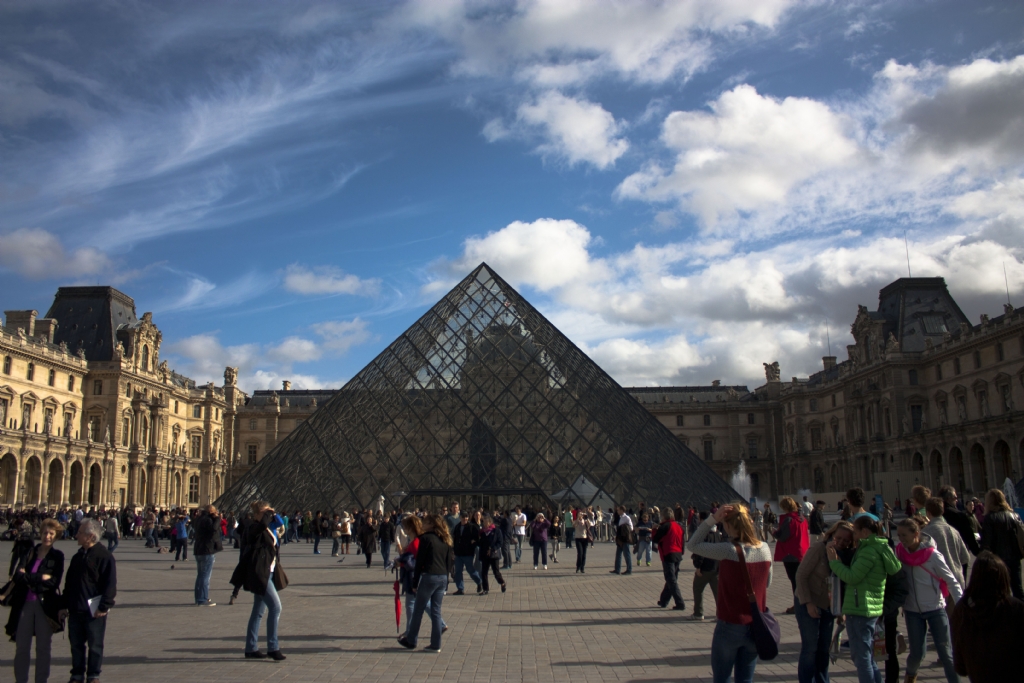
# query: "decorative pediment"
[51,402]
[70,407]
[6,391]
[29,396]
[959,390]
[940,395]
[979,385]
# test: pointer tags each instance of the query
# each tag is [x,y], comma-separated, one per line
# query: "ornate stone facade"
[109,424]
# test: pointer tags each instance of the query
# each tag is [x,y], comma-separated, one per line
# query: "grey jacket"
[925,595]
[947,541]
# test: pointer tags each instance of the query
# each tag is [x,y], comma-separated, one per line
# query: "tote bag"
[764,628]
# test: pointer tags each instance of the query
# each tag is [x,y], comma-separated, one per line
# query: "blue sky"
[687,189]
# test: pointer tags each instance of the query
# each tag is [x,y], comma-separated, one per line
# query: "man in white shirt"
[808,508]
[519,531]
[623,541]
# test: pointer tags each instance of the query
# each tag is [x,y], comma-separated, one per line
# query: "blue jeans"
[570,533]
[465,561]
[815,638]
[204,569]
[316,544]
[519,547]
[918,623]
[620,552]
[270,602]
[84,629]
[112,542]
[431,590]
[385,552]
[644,549]
[862,644]
[732,649]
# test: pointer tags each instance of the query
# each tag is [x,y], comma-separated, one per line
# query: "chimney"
[46,328]
[22,320]
[829,362]
[286,385]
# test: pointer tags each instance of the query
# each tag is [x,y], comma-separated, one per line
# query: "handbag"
[764,628]
[280,578]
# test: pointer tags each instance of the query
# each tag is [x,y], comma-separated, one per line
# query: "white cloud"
[263,366]
[321,280]
[576,130]
[38,254]
[553,43]
[748,152]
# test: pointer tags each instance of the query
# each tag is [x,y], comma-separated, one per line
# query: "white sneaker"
[534,567]
[545,567]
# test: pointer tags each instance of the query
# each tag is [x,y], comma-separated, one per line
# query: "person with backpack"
[733,651]
[930,581]
[492,550]
[669,537]
[706,571]
[793,541]
[1001,533]
[863,601]
[623,542]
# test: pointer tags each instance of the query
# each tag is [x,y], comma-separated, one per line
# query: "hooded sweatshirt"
[865,577]
[929,578]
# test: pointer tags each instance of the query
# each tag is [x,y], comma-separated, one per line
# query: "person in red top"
[733,651]
[793,541]
[669,537]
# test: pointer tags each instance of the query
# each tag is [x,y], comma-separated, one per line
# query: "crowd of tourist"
[854,576]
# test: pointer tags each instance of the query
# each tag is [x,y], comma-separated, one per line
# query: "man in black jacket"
[90,586]
[958,520]
[816,521]
[207,544]
[705,574]
[465,536]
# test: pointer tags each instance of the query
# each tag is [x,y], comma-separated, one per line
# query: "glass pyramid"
[484,401]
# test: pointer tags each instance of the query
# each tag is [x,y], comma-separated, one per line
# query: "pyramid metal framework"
[481,398]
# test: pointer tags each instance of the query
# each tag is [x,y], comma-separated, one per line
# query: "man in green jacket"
[865,592]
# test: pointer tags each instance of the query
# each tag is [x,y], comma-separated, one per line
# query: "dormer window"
[145,359]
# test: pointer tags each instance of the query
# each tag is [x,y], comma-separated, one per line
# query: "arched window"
[193,489]
[31,372]
[145,358]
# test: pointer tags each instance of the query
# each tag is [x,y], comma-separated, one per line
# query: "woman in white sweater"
[930,583]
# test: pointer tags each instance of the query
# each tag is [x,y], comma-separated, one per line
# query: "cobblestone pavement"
[338,624]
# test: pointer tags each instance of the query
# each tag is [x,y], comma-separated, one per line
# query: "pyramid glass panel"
[481,400]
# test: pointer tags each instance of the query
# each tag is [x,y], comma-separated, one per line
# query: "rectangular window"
[938,372]
[197,446]
[833,400]
[7,364]
[888,422]
[217,416]
[31,375]
[175,407]
[52,380]
[956,366]
[1000,355]
[197,411]
[835,434]
[679,420]
[915,418]
[97,388]
[71,382]
[708,450]
[707,420]
[977,359]
[814,405]
[252,425]
[815,438]
[750,419]
[252,454]
[126,426]
[912,376]
[752,448]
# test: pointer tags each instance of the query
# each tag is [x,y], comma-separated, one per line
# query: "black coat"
[465,538]
[48,591]
[958,520]
[260,552]
[91,572]
[999,534]
[207,534]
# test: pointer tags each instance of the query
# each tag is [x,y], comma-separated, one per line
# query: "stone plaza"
[338,624]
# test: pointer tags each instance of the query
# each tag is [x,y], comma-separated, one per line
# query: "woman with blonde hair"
[34,602]
[814,614]
[435,559]
[733,651]
[999,534]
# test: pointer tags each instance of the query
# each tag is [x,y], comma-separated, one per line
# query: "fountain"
[741,481]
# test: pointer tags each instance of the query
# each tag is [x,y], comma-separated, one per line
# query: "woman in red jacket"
[792,541]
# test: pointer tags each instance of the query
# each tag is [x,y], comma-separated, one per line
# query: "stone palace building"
[90,414]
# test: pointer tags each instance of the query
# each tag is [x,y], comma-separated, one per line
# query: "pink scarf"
[917,559]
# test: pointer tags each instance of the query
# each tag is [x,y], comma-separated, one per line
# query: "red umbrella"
[398,607]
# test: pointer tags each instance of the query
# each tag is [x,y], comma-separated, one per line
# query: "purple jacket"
[540,531]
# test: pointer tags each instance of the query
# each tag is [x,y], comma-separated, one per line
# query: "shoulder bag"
[764,628]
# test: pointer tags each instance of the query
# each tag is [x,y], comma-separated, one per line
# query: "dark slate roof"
[89,317]
[919,308]
[297,398]
[690,394]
